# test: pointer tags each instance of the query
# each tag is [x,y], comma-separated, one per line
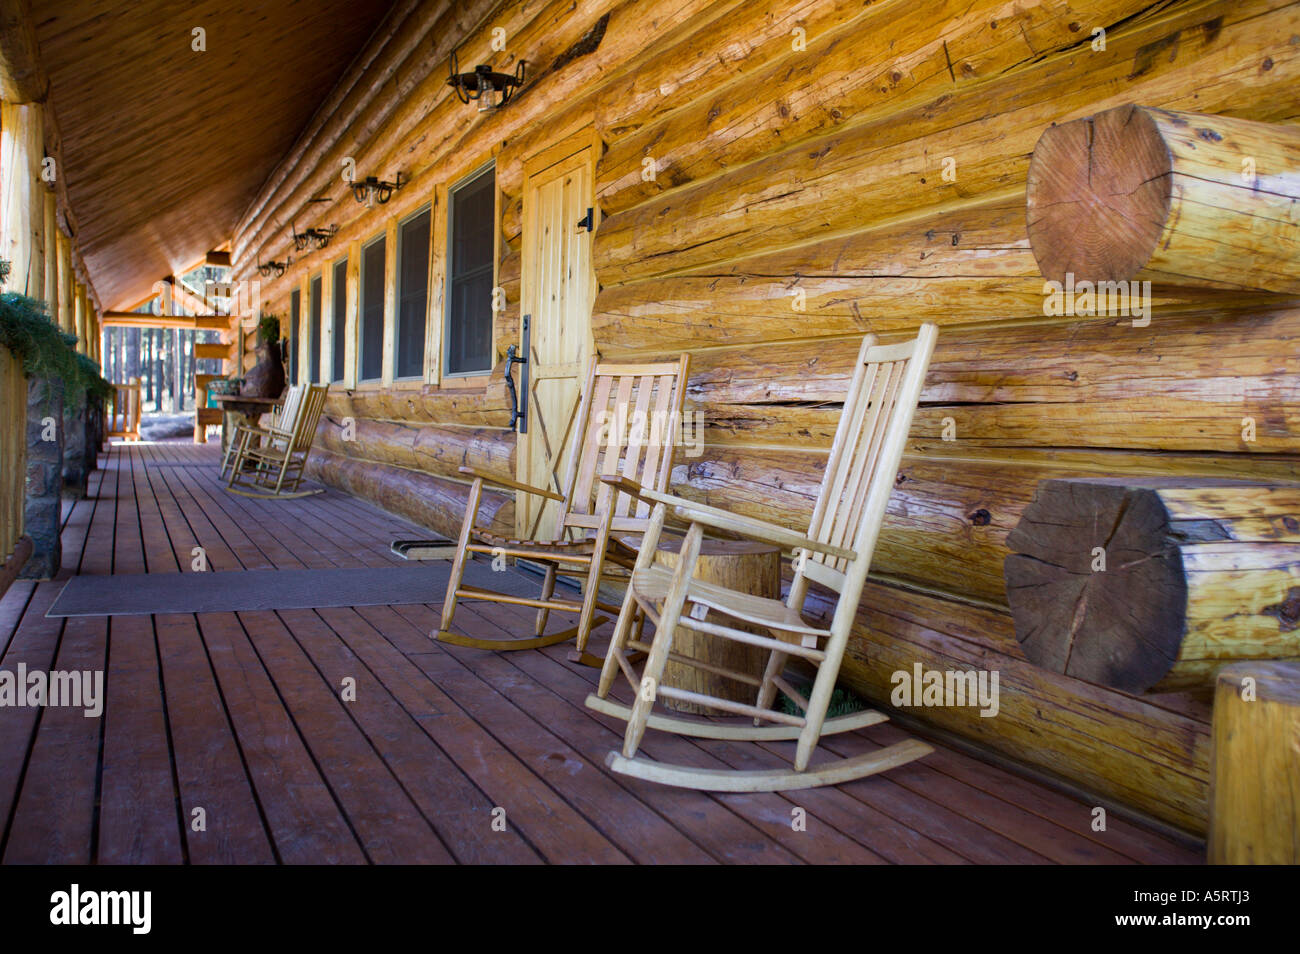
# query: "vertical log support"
[22,207]
[1255,793]
[1178,198]
[67,285]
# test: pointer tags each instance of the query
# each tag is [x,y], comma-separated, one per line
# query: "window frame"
[462,378]
[395,331]
[295,342]
[315,335]
[377,380]
[338,330]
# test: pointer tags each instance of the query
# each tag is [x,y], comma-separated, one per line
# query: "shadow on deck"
[236,720]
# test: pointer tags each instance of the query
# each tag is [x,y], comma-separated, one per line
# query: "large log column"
[1153,584]
[1182,198]
[1254,799]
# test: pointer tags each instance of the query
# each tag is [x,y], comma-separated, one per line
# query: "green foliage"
[268,329]
[843,702]
[44,350]
[92,380]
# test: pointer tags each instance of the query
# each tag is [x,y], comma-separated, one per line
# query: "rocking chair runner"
[626,426]
[836,553]
[269,461]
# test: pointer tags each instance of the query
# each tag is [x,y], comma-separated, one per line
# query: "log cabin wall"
[777,179]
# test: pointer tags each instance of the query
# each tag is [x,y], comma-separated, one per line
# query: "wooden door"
[559,289]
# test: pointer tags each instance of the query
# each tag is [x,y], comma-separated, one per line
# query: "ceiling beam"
[131,319]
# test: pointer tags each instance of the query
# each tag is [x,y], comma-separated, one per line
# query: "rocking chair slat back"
[864,457]
[308,417]
[626,426]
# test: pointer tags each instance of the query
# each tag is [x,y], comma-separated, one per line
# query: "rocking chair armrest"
[508,484]
[693,512]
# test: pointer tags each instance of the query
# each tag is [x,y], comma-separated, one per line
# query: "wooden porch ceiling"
[164,147]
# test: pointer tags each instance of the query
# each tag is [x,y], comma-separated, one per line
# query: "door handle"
[518,411]
[588,221]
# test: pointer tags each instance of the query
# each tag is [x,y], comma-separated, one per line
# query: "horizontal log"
[1206,382]
[431,502]
[916,54]
[474,407]
[1149,753]
[894,167]
[949,516]
[438,449]
[1181,198]
[693,63]
[1153,584]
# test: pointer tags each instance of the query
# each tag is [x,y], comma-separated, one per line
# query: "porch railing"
[124,415]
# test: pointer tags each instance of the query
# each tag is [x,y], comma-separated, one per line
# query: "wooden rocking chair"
[269,461]
[835,553]
[626,426]
[279,420]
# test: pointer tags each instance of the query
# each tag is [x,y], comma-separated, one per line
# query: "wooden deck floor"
[239,715]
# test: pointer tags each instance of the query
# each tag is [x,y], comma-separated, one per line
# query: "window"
[340,317]
[412,294]
[372,311]
[313,330]
[294,308]
[472,212]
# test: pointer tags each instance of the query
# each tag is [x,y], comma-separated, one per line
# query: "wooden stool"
[739,565]
[1254,799]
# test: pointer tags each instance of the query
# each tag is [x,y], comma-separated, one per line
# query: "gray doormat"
[144,594]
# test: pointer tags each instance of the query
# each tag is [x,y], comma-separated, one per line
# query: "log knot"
[1287,612]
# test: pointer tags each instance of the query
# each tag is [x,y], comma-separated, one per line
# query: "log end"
[1098,195]
[1097,590]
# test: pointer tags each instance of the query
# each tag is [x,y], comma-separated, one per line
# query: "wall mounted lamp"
[317,237]
[273,269]
[372,189]
[490,89]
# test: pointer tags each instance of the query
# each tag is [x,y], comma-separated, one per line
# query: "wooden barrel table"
[739,565]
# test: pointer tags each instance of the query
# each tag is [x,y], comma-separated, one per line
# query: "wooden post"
[1182,198]
[51,293]
[22,210]
[67,284]
[79,311]
[1254,796]
[738,565]
[1152,584]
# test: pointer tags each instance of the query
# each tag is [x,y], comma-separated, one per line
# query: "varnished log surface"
[240,713]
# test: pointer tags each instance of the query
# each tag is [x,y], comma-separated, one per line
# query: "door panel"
[559,289]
